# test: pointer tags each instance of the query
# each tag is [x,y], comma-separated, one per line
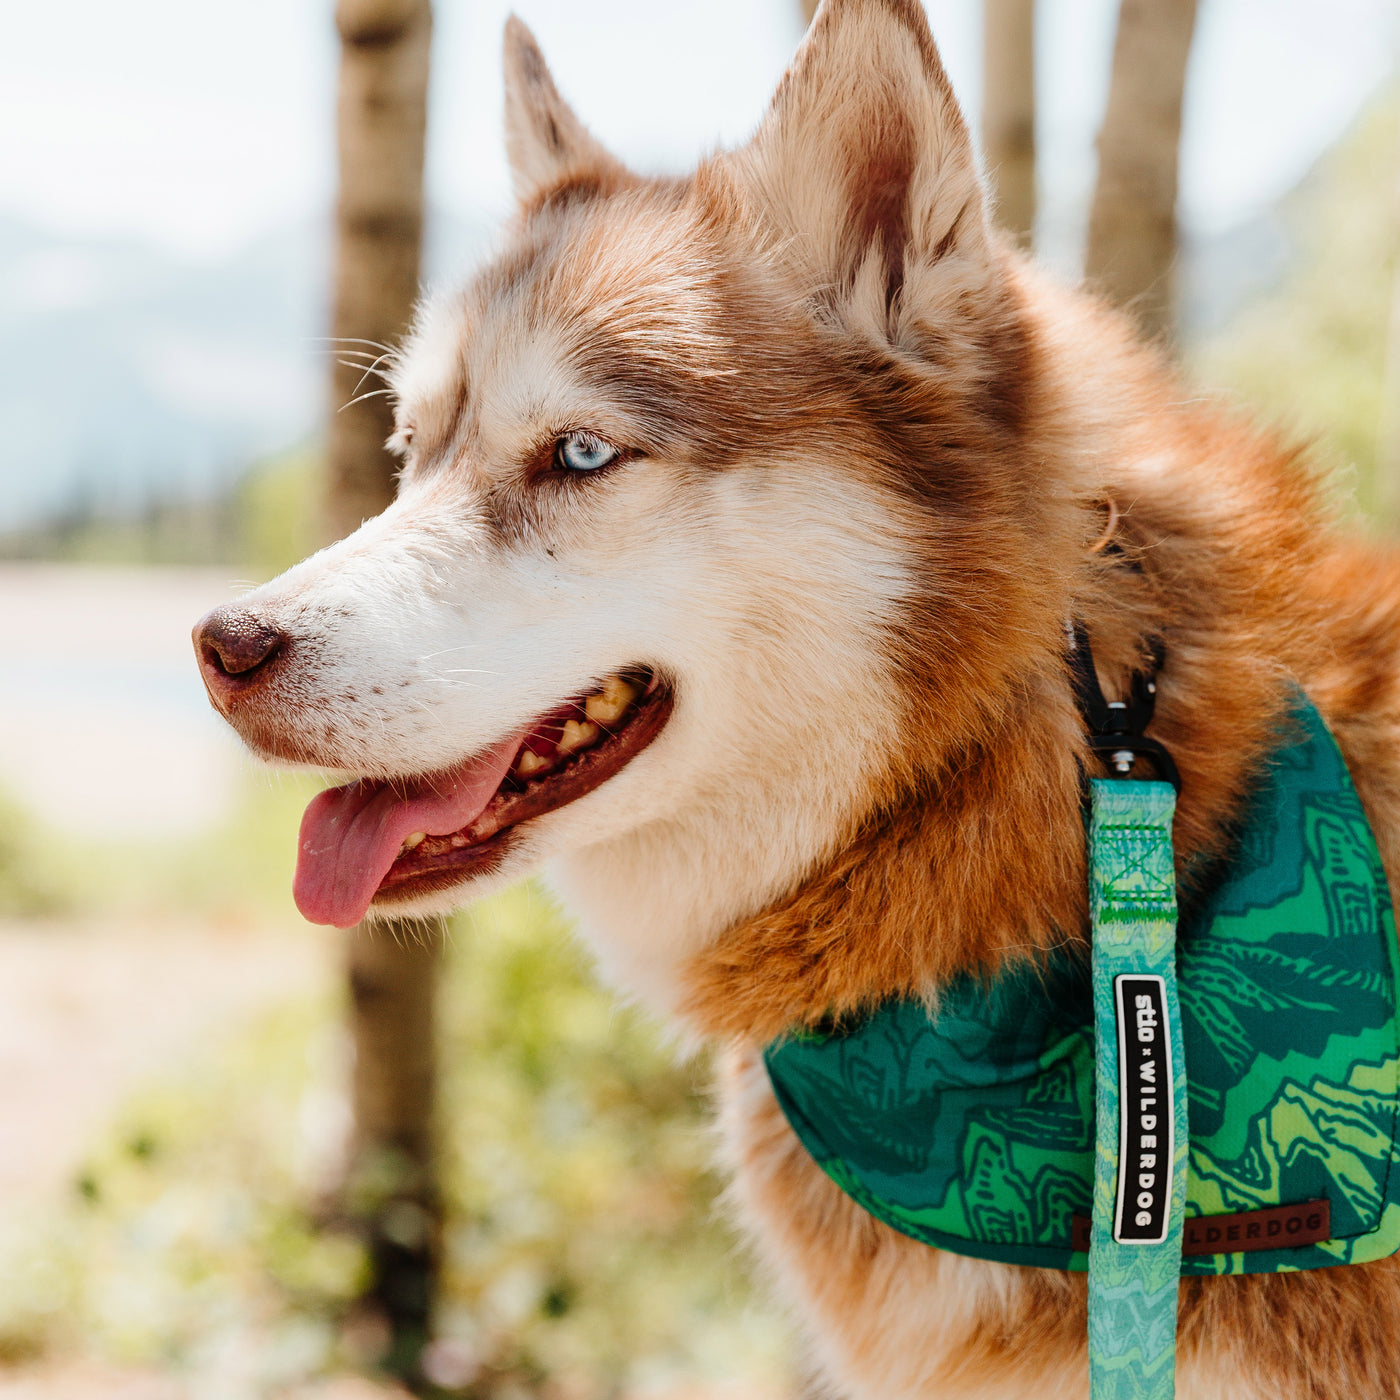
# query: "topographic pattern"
[1132,901]
[969,1123]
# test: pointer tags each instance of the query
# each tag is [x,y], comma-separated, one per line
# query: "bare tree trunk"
[381,125]
[1132,225]
[1387,468]
[1008,110]
[390,1186]
[390,1189]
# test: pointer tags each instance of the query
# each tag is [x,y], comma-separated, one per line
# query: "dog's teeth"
[578,734]
[529,763]
[416,839]
[610,704]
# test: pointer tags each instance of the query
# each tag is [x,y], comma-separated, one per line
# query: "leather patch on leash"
[1277,1227]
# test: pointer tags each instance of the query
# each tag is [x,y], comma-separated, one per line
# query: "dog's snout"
[235,647]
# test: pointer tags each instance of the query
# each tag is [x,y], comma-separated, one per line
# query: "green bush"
[582,1253]
[582,1239]
[1311,355]
[278,508]
[237,873]
[30,885]
[186,1236]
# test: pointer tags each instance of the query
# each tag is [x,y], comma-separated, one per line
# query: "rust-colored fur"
[982,859]
[863,454]
[971,849]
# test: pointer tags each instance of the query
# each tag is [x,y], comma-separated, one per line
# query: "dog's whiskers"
[366,367]
[356,340]
[360,398]
[373,368]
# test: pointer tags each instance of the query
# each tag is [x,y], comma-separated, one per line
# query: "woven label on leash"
[1141,1135]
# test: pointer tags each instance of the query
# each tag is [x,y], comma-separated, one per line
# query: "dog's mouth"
[387,842]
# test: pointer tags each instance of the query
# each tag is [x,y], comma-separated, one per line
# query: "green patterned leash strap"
[1141,1139]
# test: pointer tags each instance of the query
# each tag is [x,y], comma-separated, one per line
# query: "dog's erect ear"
[865,166]
[546,143]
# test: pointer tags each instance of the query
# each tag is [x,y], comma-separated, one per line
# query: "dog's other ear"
[546,143]
[864,165]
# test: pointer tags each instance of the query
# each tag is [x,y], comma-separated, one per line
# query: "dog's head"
[701,543]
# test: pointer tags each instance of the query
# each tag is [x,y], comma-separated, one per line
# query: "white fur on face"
[758,590]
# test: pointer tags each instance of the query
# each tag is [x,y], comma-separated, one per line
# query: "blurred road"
[104,725]
[88,1012]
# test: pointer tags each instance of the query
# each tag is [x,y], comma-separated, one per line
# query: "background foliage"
[1312,354]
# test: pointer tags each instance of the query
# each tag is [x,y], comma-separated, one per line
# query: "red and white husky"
[740,519]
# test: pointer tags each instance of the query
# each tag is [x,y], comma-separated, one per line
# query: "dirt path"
[89,1011]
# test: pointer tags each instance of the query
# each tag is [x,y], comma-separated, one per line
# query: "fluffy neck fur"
[978,857]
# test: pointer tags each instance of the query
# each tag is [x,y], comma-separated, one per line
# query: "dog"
[740,519]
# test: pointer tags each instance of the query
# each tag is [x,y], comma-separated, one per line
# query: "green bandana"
[969,1124]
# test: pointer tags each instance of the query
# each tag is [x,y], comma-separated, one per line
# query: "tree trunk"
[1132,225]
[390,1186]
[1387,468]
[390,1189]
[381,124]
[1008,110]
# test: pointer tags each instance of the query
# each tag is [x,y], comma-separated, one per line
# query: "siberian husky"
[740,519]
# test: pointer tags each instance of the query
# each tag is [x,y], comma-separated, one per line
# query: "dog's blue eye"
[582,452]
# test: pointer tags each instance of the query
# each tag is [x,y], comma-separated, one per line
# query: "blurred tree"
[1388,425]
[390,1183]
[381,122]
[1008,110]
[1132,224]
[1318,353]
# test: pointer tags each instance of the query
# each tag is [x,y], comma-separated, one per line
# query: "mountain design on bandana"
[970,1126]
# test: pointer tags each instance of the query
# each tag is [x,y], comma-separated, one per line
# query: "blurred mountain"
[1223,272]
[127,376]
[129,379]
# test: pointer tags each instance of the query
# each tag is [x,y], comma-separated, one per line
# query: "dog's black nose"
[233,645]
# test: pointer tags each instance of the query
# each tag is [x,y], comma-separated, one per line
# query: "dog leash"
[1141,1138]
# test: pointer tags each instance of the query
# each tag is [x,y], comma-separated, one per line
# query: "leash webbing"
[1140,1094]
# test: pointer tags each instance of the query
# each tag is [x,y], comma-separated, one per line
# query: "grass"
[239,872]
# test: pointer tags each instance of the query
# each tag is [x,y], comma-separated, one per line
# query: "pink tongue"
[350,835]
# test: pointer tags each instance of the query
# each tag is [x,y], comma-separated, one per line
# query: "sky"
[197,128]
